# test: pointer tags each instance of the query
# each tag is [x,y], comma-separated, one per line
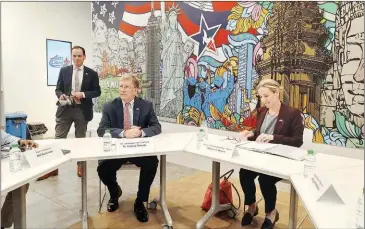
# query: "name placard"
[135,146]
[42,154]
[219,147]
[323,189]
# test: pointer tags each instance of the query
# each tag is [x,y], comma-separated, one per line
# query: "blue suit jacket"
[143,116]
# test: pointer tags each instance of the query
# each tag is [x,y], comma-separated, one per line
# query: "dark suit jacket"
[90,86]
[288,129]
[143,116]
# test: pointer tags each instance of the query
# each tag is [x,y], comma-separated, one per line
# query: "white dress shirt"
[130,110]
[7,140]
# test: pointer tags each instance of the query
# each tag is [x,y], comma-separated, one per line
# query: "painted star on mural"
[111,17]
[103,10]
[205,36]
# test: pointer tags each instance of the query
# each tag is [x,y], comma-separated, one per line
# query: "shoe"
[268,224]
[79,170]
[140,211]
[113,203]
[247,218]
[53,173]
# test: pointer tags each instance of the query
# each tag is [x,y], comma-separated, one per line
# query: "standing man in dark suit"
[79,84]
[129,117]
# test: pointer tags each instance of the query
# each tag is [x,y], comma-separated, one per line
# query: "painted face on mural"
[100,31]
[78,57]
[127,90]
[268,98]
[113,40]
[139,45]
[189,47]
[123,52]
[173,20]
[352,63]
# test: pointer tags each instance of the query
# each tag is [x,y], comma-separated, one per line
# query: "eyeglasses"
[232,139]
[125,87]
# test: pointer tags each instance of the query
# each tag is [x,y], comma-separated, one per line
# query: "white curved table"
[266,164]
[336,215]
[15,183]
[84,149]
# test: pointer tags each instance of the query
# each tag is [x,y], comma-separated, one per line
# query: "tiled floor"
[55,202]
[184,197]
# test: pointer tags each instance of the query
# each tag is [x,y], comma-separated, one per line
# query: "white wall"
[24,29]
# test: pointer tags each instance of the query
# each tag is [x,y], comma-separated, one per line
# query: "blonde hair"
[270,84]
[134,78]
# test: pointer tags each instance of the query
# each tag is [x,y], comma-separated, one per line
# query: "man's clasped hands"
[133,132]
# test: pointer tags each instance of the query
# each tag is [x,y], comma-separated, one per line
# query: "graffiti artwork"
[201,60]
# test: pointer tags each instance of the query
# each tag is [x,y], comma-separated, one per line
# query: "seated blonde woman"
[276,123]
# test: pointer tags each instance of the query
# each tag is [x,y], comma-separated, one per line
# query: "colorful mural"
[201,60]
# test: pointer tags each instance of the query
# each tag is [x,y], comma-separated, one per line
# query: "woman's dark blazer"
[288,129]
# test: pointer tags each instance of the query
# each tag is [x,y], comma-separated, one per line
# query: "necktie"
[127,118]
[77,83]
[77,80]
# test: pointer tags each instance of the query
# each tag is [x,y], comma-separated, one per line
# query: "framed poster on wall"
[58,56]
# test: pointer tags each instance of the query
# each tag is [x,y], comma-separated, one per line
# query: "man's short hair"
[134,78]
[79,47]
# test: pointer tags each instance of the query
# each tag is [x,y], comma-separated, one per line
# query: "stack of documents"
[256,146]
[290,152]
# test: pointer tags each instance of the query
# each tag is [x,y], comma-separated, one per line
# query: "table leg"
[216,206]
[162,200]
[84,195]
[19,207]
[293,208]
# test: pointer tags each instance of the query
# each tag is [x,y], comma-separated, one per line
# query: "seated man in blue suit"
[129,117]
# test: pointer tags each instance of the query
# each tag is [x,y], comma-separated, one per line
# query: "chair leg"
[100,196]
[259,200]
[101,199]
[300,223]
[244,206]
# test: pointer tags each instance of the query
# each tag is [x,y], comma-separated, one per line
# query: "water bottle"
[204,128]
[107,140]
[15,159]
[309,164]
[200,137]
[360,212]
